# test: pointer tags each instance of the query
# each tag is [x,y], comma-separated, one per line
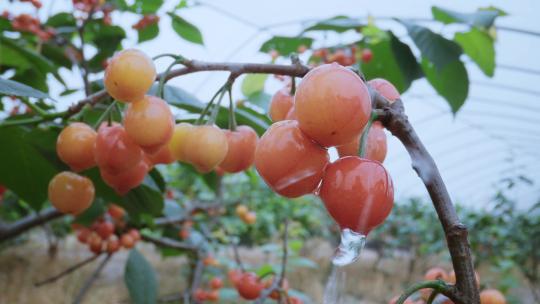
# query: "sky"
[495,135]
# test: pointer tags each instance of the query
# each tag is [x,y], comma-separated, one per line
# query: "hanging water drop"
[349,249]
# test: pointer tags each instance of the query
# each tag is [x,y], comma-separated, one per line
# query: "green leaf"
[148,33]
[337,24]
[91,214]
[56,55]
[23,169]
[478,45]
[265,270]
[146,7]
[5,24]
[181,4]
[260,99]
[62,20]
[38,62]
[451,82]
[302,262]
[285,45]
[10,87]
[32,78]
[253,83]
[434,47]
[410,68]
[140,279]
[480,18]
[185,29]
[143,200]
[158,179]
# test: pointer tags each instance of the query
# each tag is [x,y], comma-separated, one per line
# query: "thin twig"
[197,274]
[167,242]
[80,296]
[14,229]
[66,271]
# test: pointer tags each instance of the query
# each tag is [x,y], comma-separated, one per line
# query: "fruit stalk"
[394,119]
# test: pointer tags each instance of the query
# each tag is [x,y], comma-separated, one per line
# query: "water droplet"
[335,286]
[349,249]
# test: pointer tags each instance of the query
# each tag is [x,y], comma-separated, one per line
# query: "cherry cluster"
[145,21]
[108,233]
[29,24]
[250,286]
[330,108]
[247,216]
[210,294]
[345,56]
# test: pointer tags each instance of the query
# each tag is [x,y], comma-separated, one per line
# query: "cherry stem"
[215,109]
[105,115]
[208,106]
[432,297]
[363,140]
[34,107]
[162,80]
[293,86]
[437,286]
[232,114]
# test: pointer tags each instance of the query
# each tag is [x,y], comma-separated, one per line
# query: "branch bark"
[14,229]
[80,296]
[394,119]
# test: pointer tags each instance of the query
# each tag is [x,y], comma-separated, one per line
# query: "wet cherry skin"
[332,105]
[281,103]
[288,161]
[385,88]
[241,149]
[75,146]
[71,193]
[358,193]
[115,151]
[376,144]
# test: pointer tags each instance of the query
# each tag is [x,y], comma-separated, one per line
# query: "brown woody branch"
[8,231]
[66,271]
[90,281]
[394,119]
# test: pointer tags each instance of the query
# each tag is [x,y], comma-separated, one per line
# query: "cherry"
[332,104]
[126,180]
[162,156]
[113,244]
[129,75]
[234,275]
[212,295]
[385,88]
[492,296]
[127,241]
[184,233]
[149,122]
[280,105]
[376,144]
[241,210]
[105,230]
[249,218]
[288,161]
[276,294]
[116,212]
[95,244]
[216,283]
[367,55]
[115,151]
[291,115]
[200,295]
[241,149]
[135,234]
[436,273]
[358,193]
[210,261]
[83,235]
[178,142]
[206,147]
[248,286]
[71,193]
[295,300]
[75,146]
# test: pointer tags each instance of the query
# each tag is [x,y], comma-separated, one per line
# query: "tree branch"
[66,272]
[394,119]
[169,243]
[14,229]
[91,280]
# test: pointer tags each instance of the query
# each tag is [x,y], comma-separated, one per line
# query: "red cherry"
[75,145]
[492,296]
[281,104]
[83,234]
[242,144]
[332,105]
[127,180]
[116,212]
[385,88]
[162,156]
[234,275]
[216,283]
[105,229]
[288,161]
[358,193]
[376,144]
[135,234]
[127,241]
[200,295]
[113,244]
[115,152]
[367,55]
[248,286]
